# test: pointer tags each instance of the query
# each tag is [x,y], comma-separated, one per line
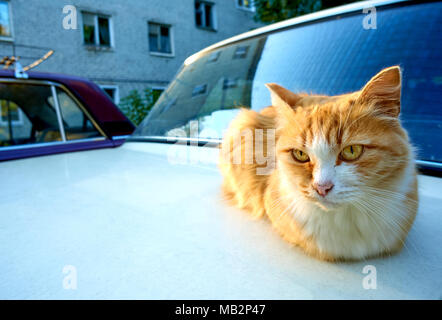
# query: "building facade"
[120,45]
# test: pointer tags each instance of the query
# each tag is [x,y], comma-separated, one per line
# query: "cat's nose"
[323,188]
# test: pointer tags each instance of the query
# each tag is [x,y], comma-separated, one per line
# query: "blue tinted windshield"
[334,56]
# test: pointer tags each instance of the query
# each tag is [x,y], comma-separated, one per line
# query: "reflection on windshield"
[212,87]
[329,57]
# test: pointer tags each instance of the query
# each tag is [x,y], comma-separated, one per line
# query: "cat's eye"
[352,152]
[300,156]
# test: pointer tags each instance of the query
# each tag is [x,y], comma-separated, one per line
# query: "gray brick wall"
[37,27]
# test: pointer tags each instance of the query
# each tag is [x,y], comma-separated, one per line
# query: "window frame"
[11,26]
[53,147]
[171,39]
[213,16]
[96,43]
[252,7]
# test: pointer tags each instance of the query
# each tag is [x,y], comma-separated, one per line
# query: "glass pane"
[199,90]
[154,28]
[15,127]
[164,31]
[89,28]
[5,24]
[229,83]
[153,42]
[241,52]
[76,124]
[208,15]
[214,56]
[26,115]
[153,37]
[9,111]
[198,14]
[103,31]
[165,40]
[330,57]
[110,92]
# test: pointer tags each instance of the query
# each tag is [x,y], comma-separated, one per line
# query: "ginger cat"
[334,174]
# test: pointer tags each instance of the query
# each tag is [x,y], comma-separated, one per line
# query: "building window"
[240,52]
[205,15]
[5,20]
[245,4]
[214,56]
[229,83]
[199,90]
[112,92]
[160,38]
[97,30]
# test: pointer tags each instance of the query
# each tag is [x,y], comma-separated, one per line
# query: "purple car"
[48,113]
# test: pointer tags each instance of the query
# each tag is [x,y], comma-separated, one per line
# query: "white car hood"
[133,225]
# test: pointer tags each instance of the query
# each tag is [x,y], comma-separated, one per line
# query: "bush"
[136,106]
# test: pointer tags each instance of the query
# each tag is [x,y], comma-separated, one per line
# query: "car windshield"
[332,56]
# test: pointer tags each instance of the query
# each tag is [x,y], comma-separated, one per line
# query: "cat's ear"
[384,91]
[281,97]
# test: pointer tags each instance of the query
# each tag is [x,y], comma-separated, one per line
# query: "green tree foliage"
[270,11]
[136,106]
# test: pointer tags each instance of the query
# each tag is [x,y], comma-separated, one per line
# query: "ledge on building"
[161,54]
[7,39]
[207,28]
[97,48]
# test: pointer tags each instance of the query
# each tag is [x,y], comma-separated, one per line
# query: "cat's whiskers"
[377,201]
[390,193]
[392,226]
[377,204]
[366,210]
[400,220]
[277,203]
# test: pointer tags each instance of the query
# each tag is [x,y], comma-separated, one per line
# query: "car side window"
[75,122]
[14,124]
[26,115]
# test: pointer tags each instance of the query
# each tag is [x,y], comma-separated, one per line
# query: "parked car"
[46,113]
[147,220]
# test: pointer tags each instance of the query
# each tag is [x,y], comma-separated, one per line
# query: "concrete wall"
[37,27]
